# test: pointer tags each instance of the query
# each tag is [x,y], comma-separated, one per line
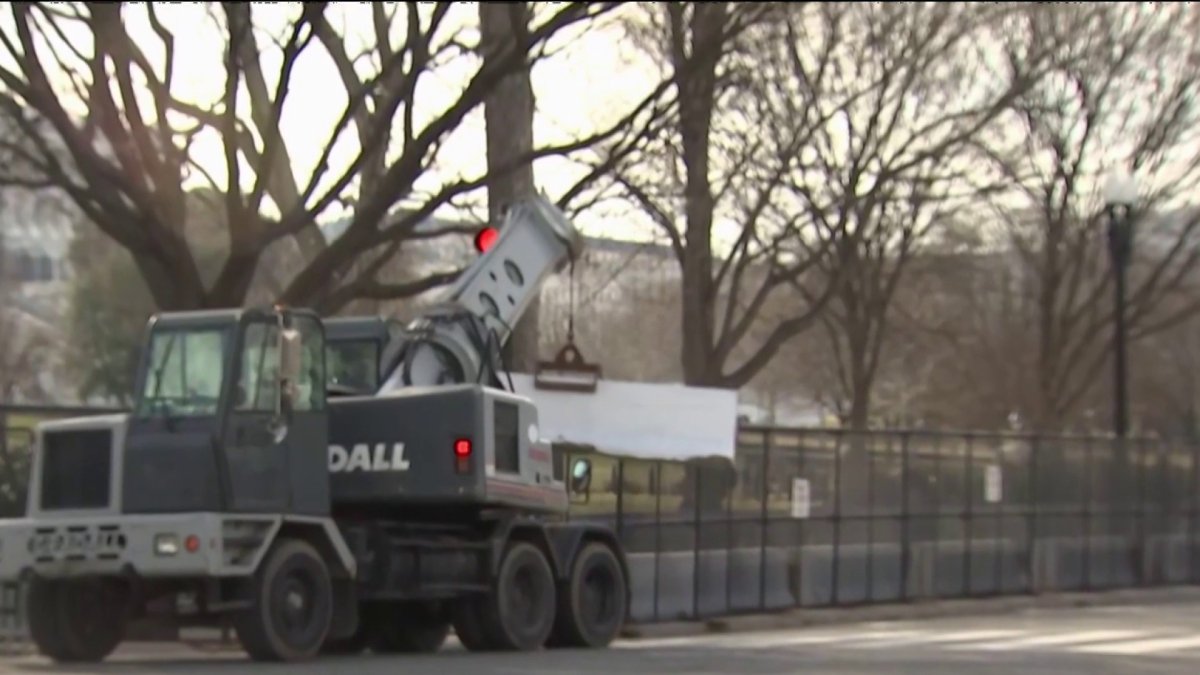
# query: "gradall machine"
[324,492]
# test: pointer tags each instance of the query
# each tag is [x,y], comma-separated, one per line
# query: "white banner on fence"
[993,484]
[637,419]
[801,499]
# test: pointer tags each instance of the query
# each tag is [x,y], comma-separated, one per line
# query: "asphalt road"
[1159,639]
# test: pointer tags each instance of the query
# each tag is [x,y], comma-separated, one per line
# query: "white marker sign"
[801,501]
[364,457]
[993,484]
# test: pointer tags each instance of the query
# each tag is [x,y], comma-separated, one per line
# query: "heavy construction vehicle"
[324,486]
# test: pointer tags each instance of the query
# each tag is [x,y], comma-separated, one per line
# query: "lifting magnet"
[569,371]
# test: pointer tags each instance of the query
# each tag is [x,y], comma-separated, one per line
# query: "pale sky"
[587,85]
[596,77]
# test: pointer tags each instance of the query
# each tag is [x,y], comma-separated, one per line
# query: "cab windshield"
[185,373]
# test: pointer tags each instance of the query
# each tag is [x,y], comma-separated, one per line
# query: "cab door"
[307,442]
[255,454]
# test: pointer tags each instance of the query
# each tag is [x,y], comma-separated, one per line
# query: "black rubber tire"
[348,646]
[293,572]
[468,627]
[41,617]
[593,602]
[78,620]
[518,614]
[407,628]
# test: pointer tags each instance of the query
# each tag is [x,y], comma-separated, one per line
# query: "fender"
[532,531]
[569,538]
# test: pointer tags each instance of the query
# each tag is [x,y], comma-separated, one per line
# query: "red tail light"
[485,238]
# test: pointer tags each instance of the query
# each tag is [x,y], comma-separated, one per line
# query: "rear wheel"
[406,627]
[519,612]
[77,620]
[292,607]
[592,609]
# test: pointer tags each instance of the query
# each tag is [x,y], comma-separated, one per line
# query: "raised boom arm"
[459,339]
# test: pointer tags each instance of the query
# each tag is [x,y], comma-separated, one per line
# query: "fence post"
[969,512]
[801,531]
[837,520]
[869,451]
[1089,466]
[998,526]
[1141,515]
[1031,515]
[937,509]
[764,517]
[1160,516]
[657,531]
[905,524]
[1193,512]
[729,549]
[696,542]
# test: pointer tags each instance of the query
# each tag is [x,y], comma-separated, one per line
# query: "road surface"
[1159,639]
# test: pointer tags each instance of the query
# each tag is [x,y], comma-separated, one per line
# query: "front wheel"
[77,620]
[292,607]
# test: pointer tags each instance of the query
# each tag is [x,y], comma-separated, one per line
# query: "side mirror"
[581,476]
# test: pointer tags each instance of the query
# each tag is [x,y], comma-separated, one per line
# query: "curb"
[917,609]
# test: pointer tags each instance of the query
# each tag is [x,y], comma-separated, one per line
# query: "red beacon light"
[486,238]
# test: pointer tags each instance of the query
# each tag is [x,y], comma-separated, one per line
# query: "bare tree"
[913,85]
[24,342]
[1122,94]
[1167,382]
[714,183]
[130,154]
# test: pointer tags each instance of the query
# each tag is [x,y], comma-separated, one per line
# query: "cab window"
[184,373]
[258,385]
[310,394]
[354,364]
[258,382]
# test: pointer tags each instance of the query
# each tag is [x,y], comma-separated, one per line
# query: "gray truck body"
[93,534]
[409,488]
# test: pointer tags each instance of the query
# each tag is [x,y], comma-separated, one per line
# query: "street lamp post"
[1120,195]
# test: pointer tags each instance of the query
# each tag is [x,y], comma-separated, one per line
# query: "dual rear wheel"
[528,609]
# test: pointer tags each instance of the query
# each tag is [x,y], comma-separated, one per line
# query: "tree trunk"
[508,116]
[695,78]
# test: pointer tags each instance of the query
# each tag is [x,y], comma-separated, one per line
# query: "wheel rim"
[526,608]
[599,596]
[525,598]
[294,606]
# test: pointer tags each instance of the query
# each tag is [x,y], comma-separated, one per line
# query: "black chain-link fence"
[15,447]
[829,518]
[810,518]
